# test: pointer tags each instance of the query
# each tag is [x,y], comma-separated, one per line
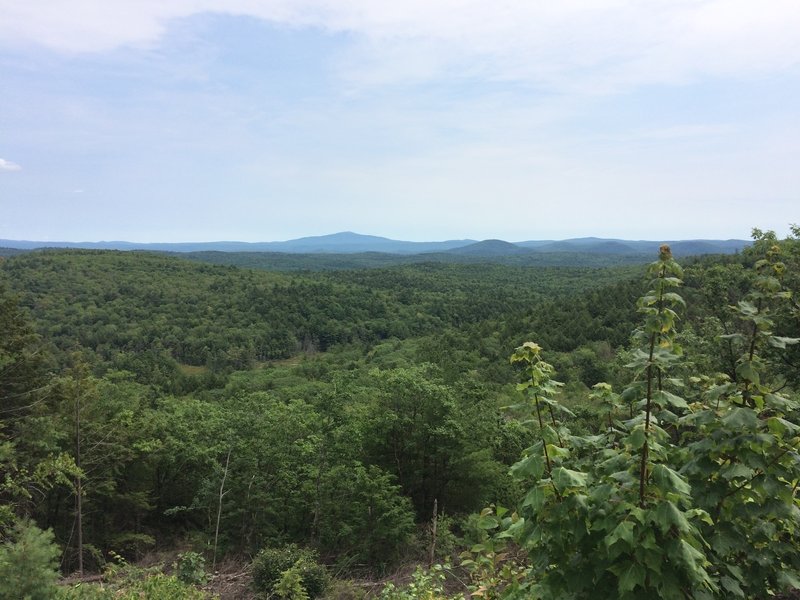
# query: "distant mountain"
[614,246]
[593,246]
[694,247]
[489,248]
[347,242]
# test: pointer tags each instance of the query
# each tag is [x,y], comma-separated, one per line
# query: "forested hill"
[278,261]
[132,307]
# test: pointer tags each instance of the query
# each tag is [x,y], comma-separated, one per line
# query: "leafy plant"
[290,585]
[742,454]
[129,582]
[678,501]
[28,562]
[494,564]
[270,565]
[424,585]
[190,567]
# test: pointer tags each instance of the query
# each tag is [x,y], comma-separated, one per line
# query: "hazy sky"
[197,120]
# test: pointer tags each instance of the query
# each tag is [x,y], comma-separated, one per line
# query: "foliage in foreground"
[686,499]
[289,572]
[28,561]
[28,571]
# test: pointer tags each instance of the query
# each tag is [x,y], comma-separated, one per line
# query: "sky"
[261,120]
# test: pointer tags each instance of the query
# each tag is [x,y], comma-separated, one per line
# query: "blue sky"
[254,120]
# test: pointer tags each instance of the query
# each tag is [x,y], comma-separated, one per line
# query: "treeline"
[143,312]
[280,261]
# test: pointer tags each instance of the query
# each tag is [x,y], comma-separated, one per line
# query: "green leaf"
[778,402]
[534,498]
[669,480]
[565,478]
[718,390]
[737,337]
[488,522]
[731,586]
[788,579]
[781,342]
[747,371]
[735,470]
[667,516]
[630,577]
[699,513]
[673,297]
[637,437]
[747,308]
[623,531]
[779,426]
[664,397]
[740,418]
[689,554]
[532,466]
[640,359]
[556,451]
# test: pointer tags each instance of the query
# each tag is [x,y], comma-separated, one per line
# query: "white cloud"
[594,46]
[7,165]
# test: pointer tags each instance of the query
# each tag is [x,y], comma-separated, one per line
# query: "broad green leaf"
[712,394]
[637,437]
[556,451]
[534,498]
[630,577]
[488,522]
[667,516]
[737,337]
[741,418]
[698,513]
[565,478]
[780,426]
[731,586]
[689,554]
[747,371]
[669,480]
[675,298]
[747,308]
[781,342]
[663,398]
[531,466]
[735,470]
[779,402]
[789,579]
[623,531]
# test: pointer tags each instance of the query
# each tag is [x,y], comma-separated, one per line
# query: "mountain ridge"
[348,242]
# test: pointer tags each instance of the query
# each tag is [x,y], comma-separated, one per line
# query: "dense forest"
[320,429]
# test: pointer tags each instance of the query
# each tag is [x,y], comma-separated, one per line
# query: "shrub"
[424,585]
[191,568]
[271,563]
[28,564]
[290,586]
[129,582]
